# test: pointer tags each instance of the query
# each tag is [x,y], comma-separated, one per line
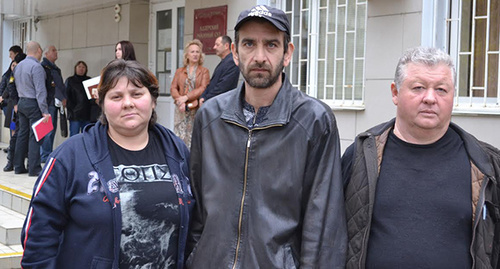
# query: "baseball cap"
[275,16]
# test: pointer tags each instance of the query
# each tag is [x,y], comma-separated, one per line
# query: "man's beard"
[262,81]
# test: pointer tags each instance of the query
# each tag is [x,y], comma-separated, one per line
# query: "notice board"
[210,23]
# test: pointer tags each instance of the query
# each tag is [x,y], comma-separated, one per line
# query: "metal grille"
[474,29]
[329,58]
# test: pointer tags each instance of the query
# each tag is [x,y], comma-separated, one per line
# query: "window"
[474,28]
[329,58]
[22,33]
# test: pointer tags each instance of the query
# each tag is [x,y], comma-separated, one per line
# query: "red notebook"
[41,129]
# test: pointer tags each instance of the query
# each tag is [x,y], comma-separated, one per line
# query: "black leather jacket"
[271,196]
[360,165]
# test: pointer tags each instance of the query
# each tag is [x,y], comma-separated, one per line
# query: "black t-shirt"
[422,215]
[149,205]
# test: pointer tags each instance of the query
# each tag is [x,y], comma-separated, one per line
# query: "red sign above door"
[210,23]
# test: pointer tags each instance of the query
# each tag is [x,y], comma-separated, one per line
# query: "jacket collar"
[96,142]
[50,64]
[475,151]
[228,58]
[279,112]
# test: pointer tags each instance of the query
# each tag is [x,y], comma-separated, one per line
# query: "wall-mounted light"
[118,17]
[36,20]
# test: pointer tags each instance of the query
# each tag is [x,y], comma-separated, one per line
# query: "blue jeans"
[28,113]
[48,140]
[76,126]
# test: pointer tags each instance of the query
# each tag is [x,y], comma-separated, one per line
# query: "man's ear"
[394,91]
[288,55]
[235,54]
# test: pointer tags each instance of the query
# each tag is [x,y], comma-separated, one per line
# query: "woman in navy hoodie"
[117,195]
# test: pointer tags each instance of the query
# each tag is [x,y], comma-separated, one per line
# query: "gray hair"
[422,55]
[47,49]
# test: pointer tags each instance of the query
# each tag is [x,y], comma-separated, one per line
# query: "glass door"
[167,36]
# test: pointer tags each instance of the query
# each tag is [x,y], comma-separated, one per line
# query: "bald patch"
[32,47]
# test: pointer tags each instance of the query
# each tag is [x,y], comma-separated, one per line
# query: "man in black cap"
[265,164]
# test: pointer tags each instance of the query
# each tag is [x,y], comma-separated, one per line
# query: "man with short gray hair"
[420,191]
[56,96]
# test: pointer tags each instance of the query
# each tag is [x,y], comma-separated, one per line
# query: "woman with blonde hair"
[187,86]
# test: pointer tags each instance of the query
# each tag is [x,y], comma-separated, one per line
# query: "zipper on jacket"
[240,218]
[364,246]
[479,212]
[247,153]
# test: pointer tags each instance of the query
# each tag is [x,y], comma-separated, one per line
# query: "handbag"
[63,122]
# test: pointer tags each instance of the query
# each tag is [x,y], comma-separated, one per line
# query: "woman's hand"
[182,99]
[182,107]
[180,102]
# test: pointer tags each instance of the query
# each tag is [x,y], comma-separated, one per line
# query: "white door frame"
[165,106]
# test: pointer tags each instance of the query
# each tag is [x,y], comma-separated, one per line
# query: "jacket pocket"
[289,258]
[489,216]
[101,263]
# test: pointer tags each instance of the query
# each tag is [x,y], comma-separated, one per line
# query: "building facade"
[346,50]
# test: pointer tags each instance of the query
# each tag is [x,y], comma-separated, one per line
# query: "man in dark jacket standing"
[265,164]
[56,97]
[226,74]
[420,191]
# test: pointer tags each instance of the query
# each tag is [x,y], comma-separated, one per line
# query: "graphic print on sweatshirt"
[150,216]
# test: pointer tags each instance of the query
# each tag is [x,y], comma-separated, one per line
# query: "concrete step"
[11,223]
[13,199]
[10,256]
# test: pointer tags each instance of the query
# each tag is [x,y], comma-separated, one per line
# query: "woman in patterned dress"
[187,86]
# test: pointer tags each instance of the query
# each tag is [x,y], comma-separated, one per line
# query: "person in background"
[120,189]
[78,104]
[10,95]
[125,50]
[13,51]
[187,86]
[421,192]
[29,76]
[226,74]
[56,97]
[265,164]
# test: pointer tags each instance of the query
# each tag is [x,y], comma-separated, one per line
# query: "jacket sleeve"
[197,222]
[13,95]
[46,219]
[3,83]
[204,80]
[227,81]
[174,87]
[70,103]
[324,233]
[347,161]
